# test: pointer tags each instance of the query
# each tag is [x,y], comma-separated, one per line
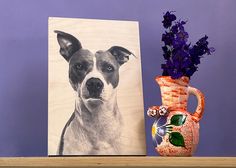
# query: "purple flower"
[167,65]
[167,38]
[210,50]
[177,43]
[186,62]
[182,36]
[199,49]
[181,25]
[168,19]
[176,73]
[195,55]
[186,47]
[175,29]
[167,52]
[191,70]
[203,41]
[172,68]
[181,58]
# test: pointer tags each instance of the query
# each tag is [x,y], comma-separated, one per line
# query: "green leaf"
[178,119]
[176,139]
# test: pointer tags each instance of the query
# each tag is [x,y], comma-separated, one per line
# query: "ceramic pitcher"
[175,131]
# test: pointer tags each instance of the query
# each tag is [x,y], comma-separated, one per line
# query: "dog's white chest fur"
[99,136]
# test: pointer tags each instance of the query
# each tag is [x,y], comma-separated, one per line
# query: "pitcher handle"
[197,115]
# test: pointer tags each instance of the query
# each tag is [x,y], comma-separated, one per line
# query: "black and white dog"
[95,125]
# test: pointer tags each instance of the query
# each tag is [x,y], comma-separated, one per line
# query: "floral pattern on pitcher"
[160,127]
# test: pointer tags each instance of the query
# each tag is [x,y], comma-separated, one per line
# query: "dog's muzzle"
[94,87]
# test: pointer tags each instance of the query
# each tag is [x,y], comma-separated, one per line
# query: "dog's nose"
[94,86]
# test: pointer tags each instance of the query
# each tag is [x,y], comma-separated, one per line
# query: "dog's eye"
[109,68]
[79,67]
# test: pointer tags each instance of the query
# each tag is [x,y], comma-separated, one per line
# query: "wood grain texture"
[162,162]
[97,35]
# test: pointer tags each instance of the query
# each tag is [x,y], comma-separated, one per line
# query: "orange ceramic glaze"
[176,131]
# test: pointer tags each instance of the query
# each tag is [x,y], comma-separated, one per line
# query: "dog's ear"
[121,54]
[68,44]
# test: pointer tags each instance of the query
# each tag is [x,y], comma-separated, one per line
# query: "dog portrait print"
[95,102]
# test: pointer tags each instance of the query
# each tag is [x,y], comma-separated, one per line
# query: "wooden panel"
[162,162]
[97,35]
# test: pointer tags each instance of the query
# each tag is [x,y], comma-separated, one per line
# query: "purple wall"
[23,66]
